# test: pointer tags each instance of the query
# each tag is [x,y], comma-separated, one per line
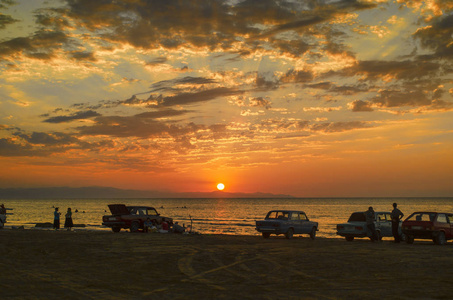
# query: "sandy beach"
[44,264]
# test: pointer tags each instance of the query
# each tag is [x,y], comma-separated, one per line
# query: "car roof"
[135,206]
[286,210]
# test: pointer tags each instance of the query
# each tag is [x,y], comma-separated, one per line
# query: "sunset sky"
[308,98]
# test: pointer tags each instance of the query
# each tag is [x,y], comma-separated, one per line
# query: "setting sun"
[220,186]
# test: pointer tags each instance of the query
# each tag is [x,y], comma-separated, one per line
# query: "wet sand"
[44,264]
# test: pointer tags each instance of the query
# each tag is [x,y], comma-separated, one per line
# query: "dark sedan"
[287,222]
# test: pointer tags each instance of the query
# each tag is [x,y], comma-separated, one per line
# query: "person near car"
[176,228]
[396,215]
[370,217]
[68,220]
[56,219]
[147,225]
[164,226]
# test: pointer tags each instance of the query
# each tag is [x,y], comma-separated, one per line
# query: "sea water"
[234,216]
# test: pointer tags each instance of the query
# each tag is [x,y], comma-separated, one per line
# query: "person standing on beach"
[68,221]
[396,215]
[56,219]
[370,218]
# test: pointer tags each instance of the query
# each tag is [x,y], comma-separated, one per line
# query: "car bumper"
[352,234]
[269,230]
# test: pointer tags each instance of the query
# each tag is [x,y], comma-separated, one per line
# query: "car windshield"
[282,215]
[424,217]
[357,217]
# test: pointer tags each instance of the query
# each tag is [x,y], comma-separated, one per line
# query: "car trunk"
[118,209]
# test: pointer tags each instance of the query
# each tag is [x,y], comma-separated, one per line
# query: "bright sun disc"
[220,186]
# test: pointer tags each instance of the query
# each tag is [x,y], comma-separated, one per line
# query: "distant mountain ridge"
[110,192]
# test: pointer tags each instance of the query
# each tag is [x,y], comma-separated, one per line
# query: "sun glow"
[220,186]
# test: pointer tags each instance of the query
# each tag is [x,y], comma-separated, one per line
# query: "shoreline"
[47,264]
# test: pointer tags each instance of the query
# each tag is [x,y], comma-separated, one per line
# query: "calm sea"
[218,216]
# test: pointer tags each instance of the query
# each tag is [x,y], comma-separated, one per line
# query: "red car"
[131,217]
[429,225]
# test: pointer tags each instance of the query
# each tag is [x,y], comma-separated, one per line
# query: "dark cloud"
[162,114]
[157,61]
[438,36]
[302,23]
[135,126]
[81,115]
[84,56]
[203,96]
[6,20]
[360,106]
[169,85]
[392,98]
[297,76]
[9,147]
[39,46]
[320,85]
[48,139]
[401,70]
[211,24]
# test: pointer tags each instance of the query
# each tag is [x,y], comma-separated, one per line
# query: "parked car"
[131,217]
[429,225]
[356,226]
[287,222]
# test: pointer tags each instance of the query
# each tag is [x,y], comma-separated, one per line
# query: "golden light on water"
[220,186]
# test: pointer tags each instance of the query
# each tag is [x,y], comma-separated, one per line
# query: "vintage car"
[429,225]
[356,226]
[287,222]
[131,217]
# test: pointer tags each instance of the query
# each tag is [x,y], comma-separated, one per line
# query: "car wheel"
[135,226]
[402,237]
[289,233]
[266,235]
[116,229]
[440,238]
[349,238]
[313,233]
[409,239]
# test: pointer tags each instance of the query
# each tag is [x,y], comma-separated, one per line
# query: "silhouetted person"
[396,215]
[56,219]
[68,220]
[370,218]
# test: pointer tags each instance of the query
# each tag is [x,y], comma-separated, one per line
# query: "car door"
[443,224]
[383,225]
[295,222]
[306,224]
